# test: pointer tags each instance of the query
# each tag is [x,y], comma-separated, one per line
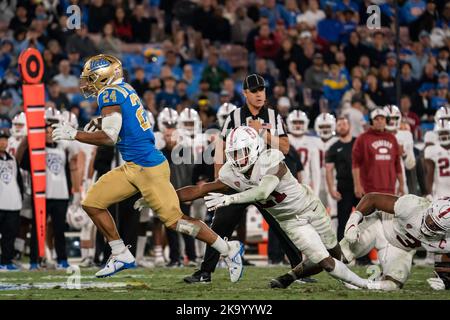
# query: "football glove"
[63,132]
[141,204]
[216,200]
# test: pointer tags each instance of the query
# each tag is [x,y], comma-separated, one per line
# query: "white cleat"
[234,260]
[145,264]
[122,261]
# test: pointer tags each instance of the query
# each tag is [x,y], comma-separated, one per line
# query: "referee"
[270,125]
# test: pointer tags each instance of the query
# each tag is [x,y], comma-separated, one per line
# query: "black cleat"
[198,276]
[282,282]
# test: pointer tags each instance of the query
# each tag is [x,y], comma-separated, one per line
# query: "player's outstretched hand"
[216,200]
[436,283]
[63,132]
[351,232]
[141,204]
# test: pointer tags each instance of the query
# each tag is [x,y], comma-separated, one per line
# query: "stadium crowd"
[187,61]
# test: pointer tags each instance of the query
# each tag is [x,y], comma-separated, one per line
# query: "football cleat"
[198,276]
[145,264]
[282,281]
[122,261]
[62,265]
[234,260]
[35,267]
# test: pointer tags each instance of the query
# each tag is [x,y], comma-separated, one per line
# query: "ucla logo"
[6,173]
[100,63]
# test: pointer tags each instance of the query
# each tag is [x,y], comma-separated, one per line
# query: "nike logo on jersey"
[339,149]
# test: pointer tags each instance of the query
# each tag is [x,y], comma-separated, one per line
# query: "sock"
[19,244]
[84,253]
[158,251]
[117,246]
[140,247]
[220,245]
[343,273]
[91,252]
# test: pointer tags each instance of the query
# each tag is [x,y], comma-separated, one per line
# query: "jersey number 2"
[140,112]
[444,165]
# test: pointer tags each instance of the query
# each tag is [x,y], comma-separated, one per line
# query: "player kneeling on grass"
[124,122]
[261,176]
[400,225]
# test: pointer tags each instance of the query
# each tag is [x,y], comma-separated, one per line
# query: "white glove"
[216,200]
[63,132]
[351,228]
[76,199]
[436,283]
[141,204]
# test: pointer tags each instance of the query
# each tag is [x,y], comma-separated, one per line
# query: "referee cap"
[253,81]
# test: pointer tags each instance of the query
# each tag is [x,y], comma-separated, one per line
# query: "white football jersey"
[159,140]
[430,137]
[289,199]
[323,148]
[406,140]
[13,145]
[441,159]
[308,151]
[88,150]
[56,158]
[403,228]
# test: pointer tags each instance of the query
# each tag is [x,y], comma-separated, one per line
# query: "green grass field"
[167,283]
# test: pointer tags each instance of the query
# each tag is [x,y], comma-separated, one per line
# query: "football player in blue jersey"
[124,123]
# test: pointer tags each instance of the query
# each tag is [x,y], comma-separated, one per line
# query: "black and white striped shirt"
[269,118]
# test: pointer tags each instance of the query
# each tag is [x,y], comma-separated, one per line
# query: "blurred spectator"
[193,83]
[316,74]
[150,102]
[411,11]
[109,44]
[263,70]
[422,102]
[443,79]
[334,87]
[418,60]
[81,42]
[7,106]
[387,84]
[50,67]
[283,107]
[213,73]
[100,13]
[274,12]
[122,25]
[377,52]
[141,25]
[235,96]
[204,19]
[441,97]
[221,26]
[206,112]
[267,43]
[168,96]
[429,75]
[443,64]
[57,97]
[354,50]
[21,19]
[391,63]
[330,28]
[67,81]
[409,116]
[407,82]
[313,15]
[355,115]
[173,63]
[356,92]
[349,25]
[426,21]
[76,65]
[241,27]
[213,97]
[6,52]
[139,83]
[182,91]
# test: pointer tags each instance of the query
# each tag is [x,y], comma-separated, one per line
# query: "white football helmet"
[436,221]
[223,112]
[325,125]
[189,121]
[52,115]
[442,116]
[394,116]
[442,129]
[70,118]
[242,148]
[76,217]
[19,125]
[297,122]
[168,117]
[151,119]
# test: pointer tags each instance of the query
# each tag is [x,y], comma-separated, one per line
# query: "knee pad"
[187,227]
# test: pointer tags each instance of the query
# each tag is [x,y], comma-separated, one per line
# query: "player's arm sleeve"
[407,204]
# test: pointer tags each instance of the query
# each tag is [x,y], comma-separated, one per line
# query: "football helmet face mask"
[19,125]
[436,221]
[76,217]
[442,116]
[394,117]
[189,121]
[325,125]
[99,71]
[242,148]
[70,118]
[52,115]
[443,132]
[167,118]
[297,122]
[223,112]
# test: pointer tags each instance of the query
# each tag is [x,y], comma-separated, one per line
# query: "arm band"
[111,125]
